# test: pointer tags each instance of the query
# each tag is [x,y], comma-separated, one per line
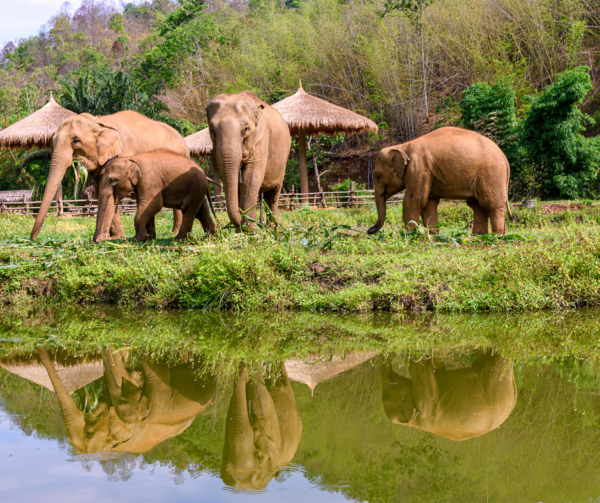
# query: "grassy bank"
[315,260]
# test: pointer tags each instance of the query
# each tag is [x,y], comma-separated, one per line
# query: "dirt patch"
[553,208]
[327,277]
[39,287]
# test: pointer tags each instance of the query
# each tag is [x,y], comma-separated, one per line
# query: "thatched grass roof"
[199,143]
[73,374]
[35,130]
[314,115]
[317,368]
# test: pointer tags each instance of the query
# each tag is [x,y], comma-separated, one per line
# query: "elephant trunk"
[62,158]
[230,161]
[239,435]
[74,418]
[106,211]
[380,201]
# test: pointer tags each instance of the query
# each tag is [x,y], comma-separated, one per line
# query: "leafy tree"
[186,31]
[552,141]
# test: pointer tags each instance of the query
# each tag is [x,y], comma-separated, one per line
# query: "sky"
[23,18]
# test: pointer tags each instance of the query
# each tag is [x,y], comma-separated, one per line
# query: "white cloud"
[23,18]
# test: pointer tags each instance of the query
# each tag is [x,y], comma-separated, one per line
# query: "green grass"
[314,260]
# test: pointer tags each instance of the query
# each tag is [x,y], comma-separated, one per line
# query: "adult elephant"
[263,431]
[102,430]
[448,163]
[95,140]
[251,145]
[157,393]
[456,404]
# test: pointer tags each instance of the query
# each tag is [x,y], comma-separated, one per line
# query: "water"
[298,408]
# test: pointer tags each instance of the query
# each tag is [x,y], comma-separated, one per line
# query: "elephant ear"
[134,173]
[260,124]
[399,160]
[109,143]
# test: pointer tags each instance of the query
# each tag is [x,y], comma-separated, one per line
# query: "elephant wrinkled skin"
[251,145]
[456,404]
[93,141]
[448,163]
[159,179]
[263,430]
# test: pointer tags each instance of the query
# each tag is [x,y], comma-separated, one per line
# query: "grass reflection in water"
[370,408]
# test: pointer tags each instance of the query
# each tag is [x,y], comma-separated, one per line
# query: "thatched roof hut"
[37,129]
[313,115]
[199,143]
[317,368]
[309,115]
[74,373]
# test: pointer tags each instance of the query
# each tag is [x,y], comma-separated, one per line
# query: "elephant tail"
[213,182]
[510,214]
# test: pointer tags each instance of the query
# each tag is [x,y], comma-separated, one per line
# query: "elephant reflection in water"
[263,430]
[456,404]
[157,387]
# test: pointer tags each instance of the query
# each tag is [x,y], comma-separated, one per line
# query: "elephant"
[455,404]
[102,430]
[93,141]
[263,430]
[251,145]
[158,178]
[158,394]
[448,163]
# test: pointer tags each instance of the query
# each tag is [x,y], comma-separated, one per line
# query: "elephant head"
[126,390]
[389,180]
[80,137]
[119,180]
[99,431]
[456,404]
[251,455]
[236,126]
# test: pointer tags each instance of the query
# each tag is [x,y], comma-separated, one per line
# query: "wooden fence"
[288,201]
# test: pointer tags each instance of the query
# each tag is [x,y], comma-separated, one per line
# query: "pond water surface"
[334,421]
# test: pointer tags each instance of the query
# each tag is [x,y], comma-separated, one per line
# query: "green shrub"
[565,161]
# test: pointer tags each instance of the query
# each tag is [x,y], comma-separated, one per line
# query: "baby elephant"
[158,179]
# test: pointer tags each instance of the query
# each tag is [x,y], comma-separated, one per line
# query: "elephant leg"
[116,228]
[205,219]
[186,225]
[498,221]
[430,216]
[272,200]
[411,211]
[177,219]
[151,228]
[480,218]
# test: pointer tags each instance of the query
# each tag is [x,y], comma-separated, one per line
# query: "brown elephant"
[448,163]
[263,430]
[156,393]
[251,145]
[93,141]
[160,178]
[102,430]
[456,404]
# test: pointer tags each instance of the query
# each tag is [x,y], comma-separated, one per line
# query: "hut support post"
[303,170]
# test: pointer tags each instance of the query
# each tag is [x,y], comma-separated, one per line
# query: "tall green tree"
[186,33]
[552,140]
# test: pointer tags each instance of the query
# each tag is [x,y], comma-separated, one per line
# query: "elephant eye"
[245,130]
[113,181]
[76,141]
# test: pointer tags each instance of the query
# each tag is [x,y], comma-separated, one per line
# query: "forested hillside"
[409,65]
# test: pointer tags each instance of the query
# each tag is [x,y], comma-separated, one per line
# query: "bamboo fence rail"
[287,202]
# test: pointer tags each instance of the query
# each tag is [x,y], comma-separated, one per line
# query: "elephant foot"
[141,237]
